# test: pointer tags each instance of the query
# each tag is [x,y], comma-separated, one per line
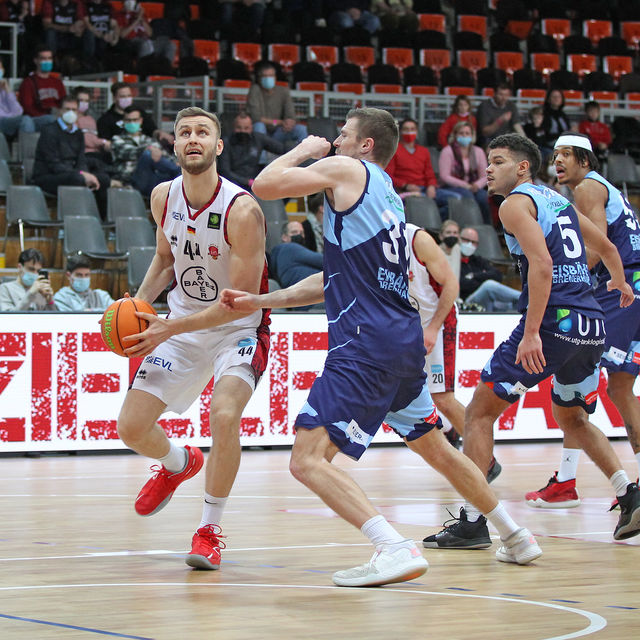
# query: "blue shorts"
[622,344]
[572,344]
[352,399]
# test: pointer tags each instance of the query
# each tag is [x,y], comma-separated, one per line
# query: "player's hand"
[430,336]
[233,300]
[158,331]
[626,292]
[530,355]
[316,147]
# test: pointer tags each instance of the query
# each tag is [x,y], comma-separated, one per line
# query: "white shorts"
[179,369]
[440,364]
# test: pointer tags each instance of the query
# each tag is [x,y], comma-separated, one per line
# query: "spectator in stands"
[12,118]
[136,33]
[244,12]
[463,167]
[395,15]
[290,260]
[63,22]
[271,107]
[240,159]
[460,112]
[411,170]
[498,115]
[97,150]
[110,122]
[79,296]
[19,12]
[480,282]
[599,132]
[60,158]
[352,13]
[31,290]
[101,28]
[449,243]
[140,161]
[312,225]
[40,93]
[555,119]
[535,130]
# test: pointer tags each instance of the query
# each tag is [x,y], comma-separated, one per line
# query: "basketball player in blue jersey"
[374,369]
[561,331]
[577,166]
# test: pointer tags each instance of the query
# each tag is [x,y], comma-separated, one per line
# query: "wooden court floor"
[77,562]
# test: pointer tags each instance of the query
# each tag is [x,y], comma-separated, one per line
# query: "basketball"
[120,320]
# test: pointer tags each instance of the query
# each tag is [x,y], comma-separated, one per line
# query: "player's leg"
[138,427]
[449,406]
[620,390]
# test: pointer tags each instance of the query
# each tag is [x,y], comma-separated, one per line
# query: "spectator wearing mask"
[461,112]
[463,167]
[12,118]
[480,282]
[63,23]
[140,161]
[271,108]
[290,260]
[60,158]
[79,296]
[96,149]
[599,132]
[449,243]
[40,93]
[240,161]
[110,123]
[31,290]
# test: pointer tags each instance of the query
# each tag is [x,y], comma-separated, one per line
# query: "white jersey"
[201,250]
[424,291]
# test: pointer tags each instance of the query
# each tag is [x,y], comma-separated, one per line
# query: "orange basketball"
[120,320]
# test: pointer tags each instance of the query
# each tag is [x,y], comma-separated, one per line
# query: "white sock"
[638,461]
[176,459]
[472,513]
[568,464]
[379,531]
[212,510]
[502,521]
[619,480]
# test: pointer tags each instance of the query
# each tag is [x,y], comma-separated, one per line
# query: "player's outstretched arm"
[599,243]
[303,293]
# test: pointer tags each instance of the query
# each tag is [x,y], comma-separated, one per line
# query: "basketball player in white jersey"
[211,235]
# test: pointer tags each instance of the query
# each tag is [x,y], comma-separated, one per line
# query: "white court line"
[596,622]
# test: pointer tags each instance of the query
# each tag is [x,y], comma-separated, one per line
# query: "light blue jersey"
[366,281]
[571,285]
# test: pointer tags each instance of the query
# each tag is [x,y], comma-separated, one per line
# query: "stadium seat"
[558,28]
[399,57]
[501,41]
[613,46]
[364,57]
[597,29]
[467,40]
[606,99]
[476,24]
[630,31]
[286,55]
[577,44]
[418,75]
[153,10]
[582,63]
[124,202]
[432,22]
[84,234]
[465,211]
[632,100]
[307,72]
[617,65]
[383,74]
[422,90]
[458,91]
[133,232]
[541,43]
[386,88]
[622,171]
[138,262]
[275,216]
[489,246]
[528,79]
[508,61]
[474,60]
[456,77]
[629,82]
[598,81]
[573,97]
[490,77]
[209,50]
[349,87]
[532,94]
[564,80]
[545,62]
[323,54]
[429,40]
[5,152]
[247,52]
[423,212]
[76,201]
[436,59]
[230,69]
[323,127]
[5,177]
[344,72]
[521,29]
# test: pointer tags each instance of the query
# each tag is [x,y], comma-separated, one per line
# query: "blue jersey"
[571,285]
[623,230]
[366,281]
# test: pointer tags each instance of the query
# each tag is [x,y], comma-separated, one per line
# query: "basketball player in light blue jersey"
[577,166]
[374,369]
[561,331]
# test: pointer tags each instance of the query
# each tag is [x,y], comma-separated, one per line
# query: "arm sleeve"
[27,97]
[5,299]
[443,133]
[47,152]
[309,258]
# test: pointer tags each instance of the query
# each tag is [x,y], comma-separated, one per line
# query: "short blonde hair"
[190,112]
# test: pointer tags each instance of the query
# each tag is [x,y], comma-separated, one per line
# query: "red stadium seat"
[432,22]
[582,63]
[422,90]
[472,60]
[545,63]
[349,87]
[632,100]
[208,50]
[617,65]
[573,97]
[519,28]
[476,24]
[508,61]
[595,30]
[458,91]
[559,28]
[325,55]
[247,52]
[399,57]
[607,99]
[286,55]
[364,57]
[309,85]
[153,10]
[436,59]
[532,94]
[194,11]
[386,88]
[630,31]
[232,83]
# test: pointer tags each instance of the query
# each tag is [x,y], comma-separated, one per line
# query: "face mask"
[450,241]
[28,278]
[123,103]
[46,65]
[69,116]
[467,248]
[80,285]
[464,141]
[298,239]
[241,137]
[409,137]
[132,127]
[464,113]
[83,106]
[268,82]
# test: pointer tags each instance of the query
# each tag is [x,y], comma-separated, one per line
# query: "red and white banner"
[61,389]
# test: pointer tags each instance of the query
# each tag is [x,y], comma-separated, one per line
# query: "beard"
[196,167]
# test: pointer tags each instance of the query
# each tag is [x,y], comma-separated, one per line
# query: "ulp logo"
[636,281]
[563,320]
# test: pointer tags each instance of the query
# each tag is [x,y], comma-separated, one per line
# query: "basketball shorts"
[572,344]
[179,369]
[352,399]
[440,365]
[622,344]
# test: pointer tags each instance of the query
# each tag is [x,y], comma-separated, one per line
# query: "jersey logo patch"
[214,220]
[213,251]
[198,285]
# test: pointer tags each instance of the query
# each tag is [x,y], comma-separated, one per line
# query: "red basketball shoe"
[205,548]
[159,489]
[556,495]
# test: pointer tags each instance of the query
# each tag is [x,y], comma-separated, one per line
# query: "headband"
[569,140]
